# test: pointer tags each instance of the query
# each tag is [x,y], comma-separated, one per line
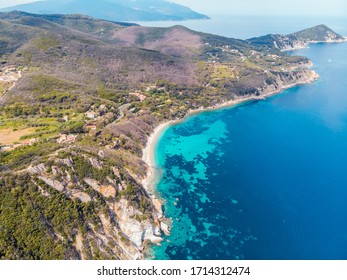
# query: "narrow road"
[121,113]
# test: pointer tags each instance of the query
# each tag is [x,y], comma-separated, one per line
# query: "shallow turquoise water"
[263,180]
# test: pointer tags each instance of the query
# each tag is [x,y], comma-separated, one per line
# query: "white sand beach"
[148,155]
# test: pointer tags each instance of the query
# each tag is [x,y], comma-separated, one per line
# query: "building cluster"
[97,115]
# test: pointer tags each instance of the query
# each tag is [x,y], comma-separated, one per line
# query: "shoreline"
[306,45]
[148,153]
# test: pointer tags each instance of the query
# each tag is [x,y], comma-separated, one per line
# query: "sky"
[252,7]
[269,7]
[7,3]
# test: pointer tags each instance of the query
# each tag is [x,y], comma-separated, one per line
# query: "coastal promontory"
[298,40]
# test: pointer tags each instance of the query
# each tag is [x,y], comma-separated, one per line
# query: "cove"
[265,179]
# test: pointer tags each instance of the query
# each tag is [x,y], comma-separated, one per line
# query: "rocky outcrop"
[165,228]
[82,196]
[53,183]
[37,169]
[95,163]
[133,227]
[105,190]
[289,42]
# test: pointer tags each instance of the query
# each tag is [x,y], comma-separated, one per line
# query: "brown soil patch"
[107,191]
[8,136]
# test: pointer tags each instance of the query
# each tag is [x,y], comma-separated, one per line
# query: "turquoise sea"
[265,179]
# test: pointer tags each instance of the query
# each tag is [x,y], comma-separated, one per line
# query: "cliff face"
[290,42]
[284,80]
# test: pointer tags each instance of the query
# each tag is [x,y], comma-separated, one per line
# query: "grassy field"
[223,72]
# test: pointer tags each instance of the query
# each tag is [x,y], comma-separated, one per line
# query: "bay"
[263,180]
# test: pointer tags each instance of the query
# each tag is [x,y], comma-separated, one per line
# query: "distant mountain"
[297,40]
[116,10]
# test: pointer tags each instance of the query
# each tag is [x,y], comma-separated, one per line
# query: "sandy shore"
[149,151]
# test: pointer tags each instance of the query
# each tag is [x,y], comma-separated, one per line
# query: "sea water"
[245,27]
[265,179]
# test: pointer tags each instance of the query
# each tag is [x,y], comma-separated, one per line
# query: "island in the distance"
[115,10]
[79,98]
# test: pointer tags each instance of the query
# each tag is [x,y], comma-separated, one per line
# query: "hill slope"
[117,10]
[319,33]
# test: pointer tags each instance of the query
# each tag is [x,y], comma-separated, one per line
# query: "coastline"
[148,154]
[149,151]
[306,45]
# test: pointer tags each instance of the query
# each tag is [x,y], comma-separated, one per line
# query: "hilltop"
[79,98]
[116,10]
[320,33]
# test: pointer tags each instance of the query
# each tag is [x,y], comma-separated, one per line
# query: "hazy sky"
[7,3]
[271,7]
[283,7]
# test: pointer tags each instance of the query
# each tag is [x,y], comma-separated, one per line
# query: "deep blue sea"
[265,179]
